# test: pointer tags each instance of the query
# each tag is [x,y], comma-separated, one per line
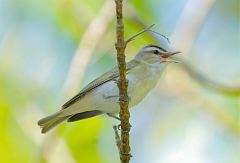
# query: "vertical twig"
[122,85]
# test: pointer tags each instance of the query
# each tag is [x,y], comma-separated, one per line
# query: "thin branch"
[160,35]
[148,29]
[117,139]
[122,85]
[139,33]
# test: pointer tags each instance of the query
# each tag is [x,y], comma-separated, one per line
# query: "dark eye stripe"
[151,45]
[154,52]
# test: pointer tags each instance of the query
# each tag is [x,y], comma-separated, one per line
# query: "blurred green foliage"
[180,121]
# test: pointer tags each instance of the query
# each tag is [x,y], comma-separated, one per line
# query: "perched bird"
[102,94]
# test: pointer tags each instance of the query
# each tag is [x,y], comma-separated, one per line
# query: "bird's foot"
[120,127]
[117,118]
[115,80]
[129,98]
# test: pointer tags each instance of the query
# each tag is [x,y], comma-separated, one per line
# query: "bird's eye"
[156,52]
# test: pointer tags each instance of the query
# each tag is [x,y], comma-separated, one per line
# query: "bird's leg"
[114,96]
[109,96]
[117,118]
[128,99]
[115,80]
[119,126]
[113,116]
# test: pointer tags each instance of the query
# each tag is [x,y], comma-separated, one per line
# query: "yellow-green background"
[181,121]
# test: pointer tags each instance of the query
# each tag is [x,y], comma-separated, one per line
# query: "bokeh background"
[50,49]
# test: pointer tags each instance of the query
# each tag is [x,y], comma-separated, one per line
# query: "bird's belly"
[105,97]
[139,89]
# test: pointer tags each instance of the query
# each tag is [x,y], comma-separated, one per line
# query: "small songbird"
[101,95]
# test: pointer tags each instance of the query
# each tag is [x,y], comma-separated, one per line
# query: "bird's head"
[153,54]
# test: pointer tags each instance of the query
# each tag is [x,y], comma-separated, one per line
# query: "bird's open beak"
[169,54]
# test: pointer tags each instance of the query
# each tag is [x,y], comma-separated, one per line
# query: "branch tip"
[139,33]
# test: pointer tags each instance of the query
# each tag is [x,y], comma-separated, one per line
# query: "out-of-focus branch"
[122,85]
[85,50]
[213,109]
[189,23]
[203,80]
[191,19]
[187,30]
[26,117]
[184,46]
[81,59]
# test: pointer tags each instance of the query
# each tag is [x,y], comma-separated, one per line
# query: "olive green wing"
[110,75]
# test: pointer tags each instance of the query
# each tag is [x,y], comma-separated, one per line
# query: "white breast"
[142,81]
[105,97]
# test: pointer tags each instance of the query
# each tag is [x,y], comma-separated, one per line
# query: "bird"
[102,94]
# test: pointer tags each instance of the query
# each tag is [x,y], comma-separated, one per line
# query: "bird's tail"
[51,121]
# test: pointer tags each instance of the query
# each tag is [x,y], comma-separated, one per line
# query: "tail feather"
[51,121]
[55,119]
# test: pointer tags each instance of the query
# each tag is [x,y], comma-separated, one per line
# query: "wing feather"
[110,75]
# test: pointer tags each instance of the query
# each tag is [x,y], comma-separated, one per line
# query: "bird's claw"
[119,127]
[115,80]
[129,98]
